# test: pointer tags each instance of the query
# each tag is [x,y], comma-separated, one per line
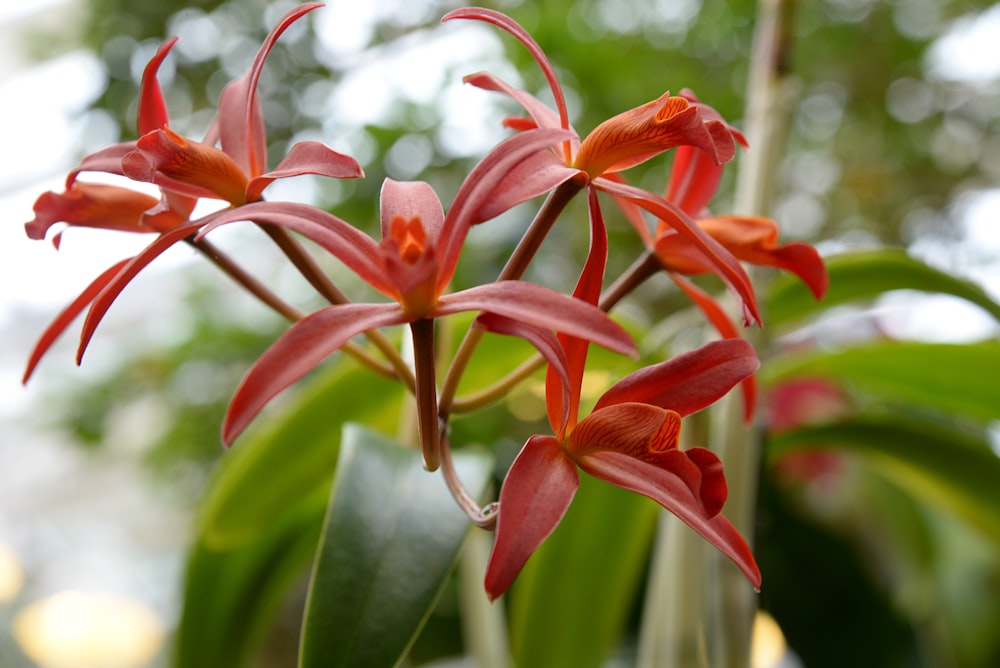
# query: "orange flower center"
[410,237]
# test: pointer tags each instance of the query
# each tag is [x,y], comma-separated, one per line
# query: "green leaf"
[865,275]
[940,466]
[956,378]
[231,595]
[294,453]
[392,533]
[570,604]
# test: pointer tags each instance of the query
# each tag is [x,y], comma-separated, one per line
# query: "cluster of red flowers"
[630,438]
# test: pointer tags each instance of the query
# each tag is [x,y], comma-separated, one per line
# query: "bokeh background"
[893,142]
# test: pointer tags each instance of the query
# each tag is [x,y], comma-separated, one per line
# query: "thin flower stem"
[247,280]
[279,305]
[645,266]
[485,517]
[498,389]
[532,240]
[516,265]
[313,273]
[424,361]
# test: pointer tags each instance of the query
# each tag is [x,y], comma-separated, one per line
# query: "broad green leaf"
[231,595]
[865,275]
[570,604]
[941,466]
[268,473]
[391,535]
[960,379]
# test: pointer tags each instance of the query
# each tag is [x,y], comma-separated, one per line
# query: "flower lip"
[636,135]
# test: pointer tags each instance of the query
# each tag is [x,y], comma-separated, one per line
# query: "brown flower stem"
[532,240]
[424,361]
[247,280]
[313,273]
[516,265]
[645,266]
[279,305]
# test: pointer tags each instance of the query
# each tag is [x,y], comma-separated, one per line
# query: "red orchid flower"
[619,143]
[184,170]
[412,266]
[630,440]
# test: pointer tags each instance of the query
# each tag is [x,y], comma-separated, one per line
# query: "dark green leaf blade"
[391,535]
[942,466]
[957,379]
[571,602]
[865,275]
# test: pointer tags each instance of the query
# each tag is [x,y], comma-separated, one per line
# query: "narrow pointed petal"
[754,240]
[535,495]
[724,264]
[307,157]
[188,167]
[727,329]
[504,22]
[670,492]
[297,352]
[129,271]
[67,315]
[152,109]
[694,178]
[502,179]
[689,382]
[240,122]
[411,199]
[91,205]
[347,243]
[548,345]
[541,307]
[540,113]
[108,160]
[588,288]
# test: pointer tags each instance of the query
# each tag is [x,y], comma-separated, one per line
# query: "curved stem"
[498,389]
[313,273]
[485,517]
[516,265]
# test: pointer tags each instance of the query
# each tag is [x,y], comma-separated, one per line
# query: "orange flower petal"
[91,205]
[638,134]
[170,161]
[750,239]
